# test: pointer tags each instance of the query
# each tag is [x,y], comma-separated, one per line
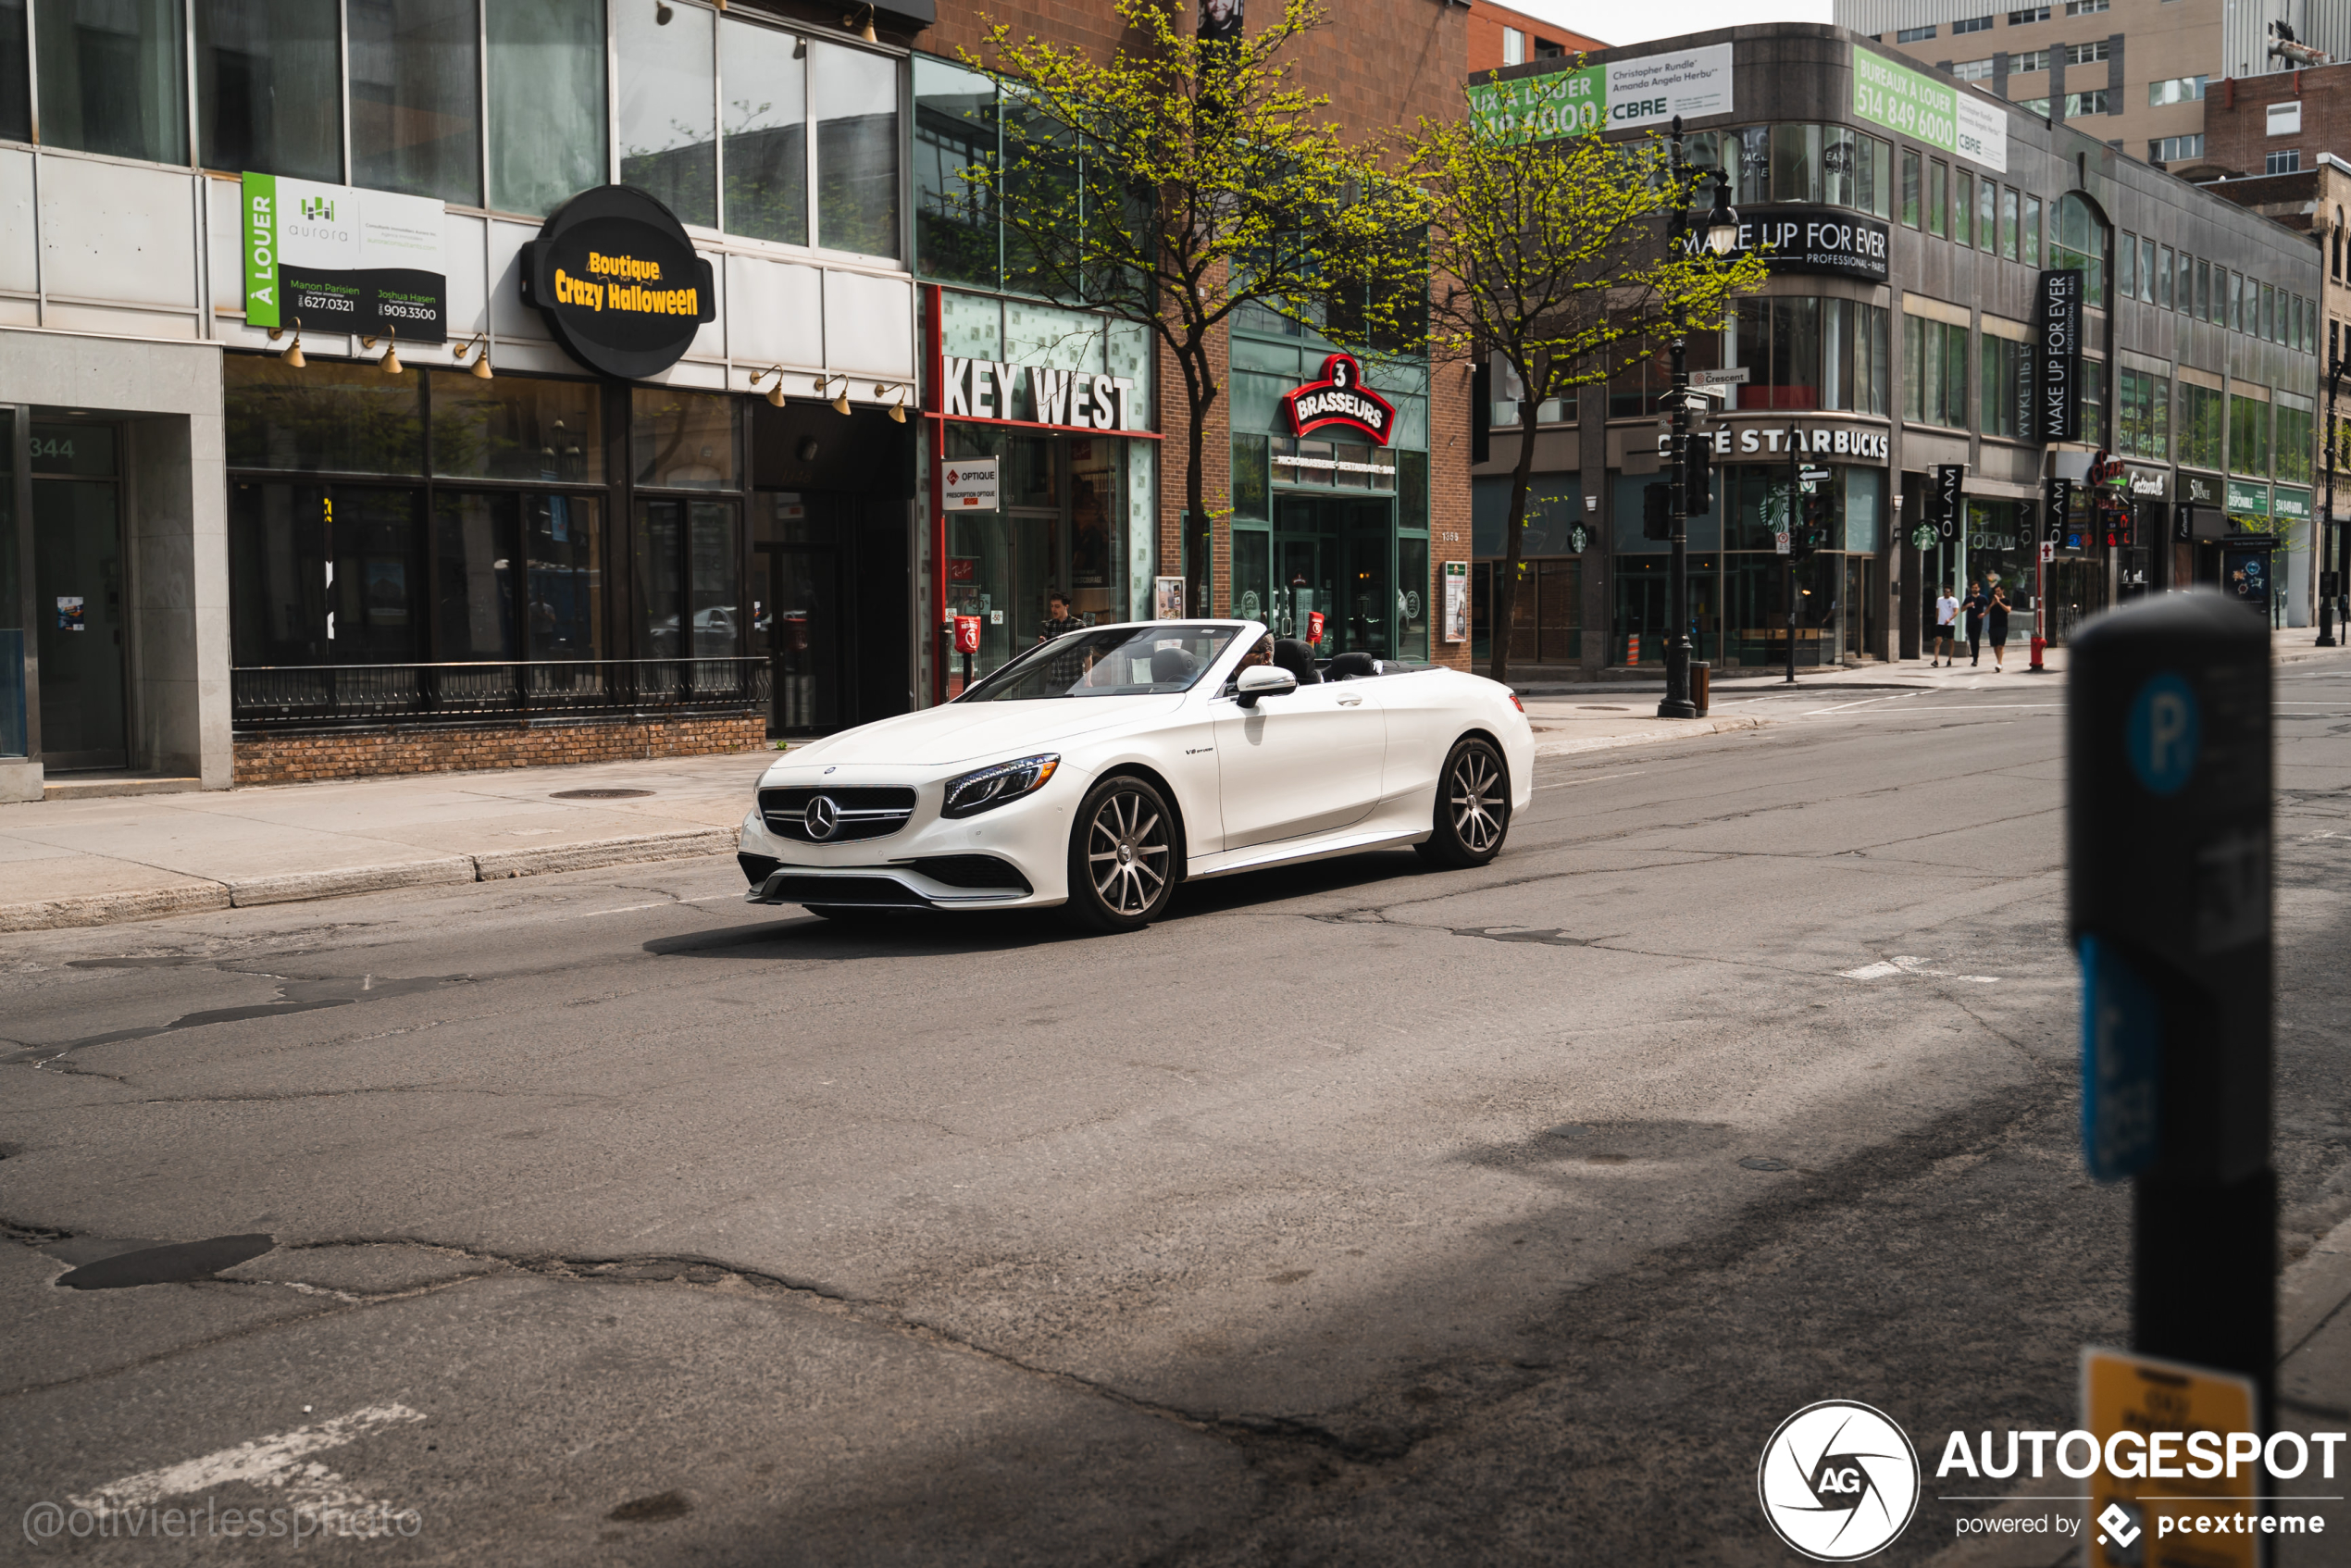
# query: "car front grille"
[869,813]
[846,893]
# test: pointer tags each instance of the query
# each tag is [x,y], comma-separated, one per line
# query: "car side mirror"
[1262,680]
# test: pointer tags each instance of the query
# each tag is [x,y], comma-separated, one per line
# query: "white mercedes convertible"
[1098,770]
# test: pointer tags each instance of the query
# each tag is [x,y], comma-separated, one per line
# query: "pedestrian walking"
[1995,617]
[1947,610]
[1971,617]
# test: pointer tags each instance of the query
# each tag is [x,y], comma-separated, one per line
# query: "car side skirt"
[1296,852]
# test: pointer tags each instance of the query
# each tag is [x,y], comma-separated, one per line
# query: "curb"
[1610,742]
[194,897]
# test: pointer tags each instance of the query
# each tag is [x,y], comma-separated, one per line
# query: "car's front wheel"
[1122,856]
[1473,815]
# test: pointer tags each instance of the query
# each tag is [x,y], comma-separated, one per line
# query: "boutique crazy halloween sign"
[1340,398]
[617,282]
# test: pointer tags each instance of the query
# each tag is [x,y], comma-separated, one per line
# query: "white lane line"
[1904,964]
[1862,703]
[275,1461]
[657,903]
[1596,779]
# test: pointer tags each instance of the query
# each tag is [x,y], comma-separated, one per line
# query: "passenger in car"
[1261,655]
[1298,659]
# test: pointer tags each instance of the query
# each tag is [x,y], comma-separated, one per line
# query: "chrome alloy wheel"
[1477,801]
[1126,851]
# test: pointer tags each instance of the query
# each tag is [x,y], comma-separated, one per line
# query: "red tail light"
[1516,703]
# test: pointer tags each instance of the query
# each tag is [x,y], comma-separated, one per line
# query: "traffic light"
[1814,524]
[1657,511]
[1697,483]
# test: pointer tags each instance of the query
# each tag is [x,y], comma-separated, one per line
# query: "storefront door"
[80,598]
[1335,557]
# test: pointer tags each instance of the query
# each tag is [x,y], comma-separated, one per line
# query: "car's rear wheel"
[1473,813]
[1123,865]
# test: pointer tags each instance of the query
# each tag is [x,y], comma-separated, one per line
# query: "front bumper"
[1012,857]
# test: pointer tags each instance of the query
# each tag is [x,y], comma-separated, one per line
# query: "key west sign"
[1036,395]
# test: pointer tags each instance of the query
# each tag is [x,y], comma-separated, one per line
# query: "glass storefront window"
[1963,208]
[1250,494]
[1796,163]
[416,113]
[1413,598]
[667,120]
[1935,357]
[16,77]
[712,577]
[546,101]
[2032,232]
[853,99]
[474,594]
[1910,187]
[2202,424]
[1939,176]
[2006,390]
[113,77]
[2143,416]
[1987,205]
[766,123]
[2007,222]
[563,539]
[2248,436]
[517,428]
[682,440]
[332,417]
[376,602]
[269,87]
[1253,574]
[954,129]
[2296,438]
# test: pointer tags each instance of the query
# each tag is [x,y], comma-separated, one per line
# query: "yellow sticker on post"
[2182,1474]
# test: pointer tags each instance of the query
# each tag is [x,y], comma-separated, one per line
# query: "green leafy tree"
[1184,179]
[1552,255]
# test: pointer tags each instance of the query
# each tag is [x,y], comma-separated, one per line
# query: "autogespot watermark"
[45,1522]
[1840,1481]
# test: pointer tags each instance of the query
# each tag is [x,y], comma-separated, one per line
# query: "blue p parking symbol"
[2163,735]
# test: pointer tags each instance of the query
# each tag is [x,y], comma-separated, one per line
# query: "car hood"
[968,731]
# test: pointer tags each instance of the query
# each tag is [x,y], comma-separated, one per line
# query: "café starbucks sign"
[618,283]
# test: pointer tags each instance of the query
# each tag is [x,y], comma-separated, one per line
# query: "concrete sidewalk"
[98,862]
[2294,645]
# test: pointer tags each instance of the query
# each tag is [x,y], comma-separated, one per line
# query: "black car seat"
[1351,667]
[1297,658]
[1170,665]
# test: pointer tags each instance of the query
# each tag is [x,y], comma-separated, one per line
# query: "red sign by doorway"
[1340,398]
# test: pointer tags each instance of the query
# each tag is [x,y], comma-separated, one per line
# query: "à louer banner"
[334,258]
[1935,112]
[1615,95]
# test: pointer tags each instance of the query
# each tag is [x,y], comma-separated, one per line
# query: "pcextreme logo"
[1838,1481]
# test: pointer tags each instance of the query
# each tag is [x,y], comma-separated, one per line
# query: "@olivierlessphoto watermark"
[302,1524]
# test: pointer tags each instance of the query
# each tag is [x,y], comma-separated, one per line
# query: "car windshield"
[1126,661]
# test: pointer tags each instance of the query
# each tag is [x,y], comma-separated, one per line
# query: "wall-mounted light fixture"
[839,400]
[479,349]
[864,30]
[293,358]
[775,393]
[389,363]
[898,409]
[799,47]
[661,14]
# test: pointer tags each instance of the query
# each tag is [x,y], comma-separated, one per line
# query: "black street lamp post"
[2335,367]
[1721,233]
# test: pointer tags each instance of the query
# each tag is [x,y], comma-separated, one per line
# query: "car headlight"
[972,793]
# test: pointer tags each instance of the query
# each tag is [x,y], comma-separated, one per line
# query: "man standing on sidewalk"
[1947,610]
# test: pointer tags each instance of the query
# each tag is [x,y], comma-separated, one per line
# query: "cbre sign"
[2056,358]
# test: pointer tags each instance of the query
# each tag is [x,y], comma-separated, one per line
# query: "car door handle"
[1350,702]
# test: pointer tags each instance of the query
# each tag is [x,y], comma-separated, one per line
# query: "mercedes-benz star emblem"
[822,819]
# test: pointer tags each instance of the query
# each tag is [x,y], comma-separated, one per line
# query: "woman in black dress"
[1997,623]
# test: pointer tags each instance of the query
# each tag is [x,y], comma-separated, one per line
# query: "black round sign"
[618,281]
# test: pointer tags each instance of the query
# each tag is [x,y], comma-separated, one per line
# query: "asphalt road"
[1357,1215]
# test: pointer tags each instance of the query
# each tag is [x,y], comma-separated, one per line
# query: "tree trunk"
[1505,595]
[1199,386]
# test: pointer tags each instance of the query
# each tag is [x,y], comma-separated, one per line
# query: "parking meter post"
[1795,490]
[2168,829]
